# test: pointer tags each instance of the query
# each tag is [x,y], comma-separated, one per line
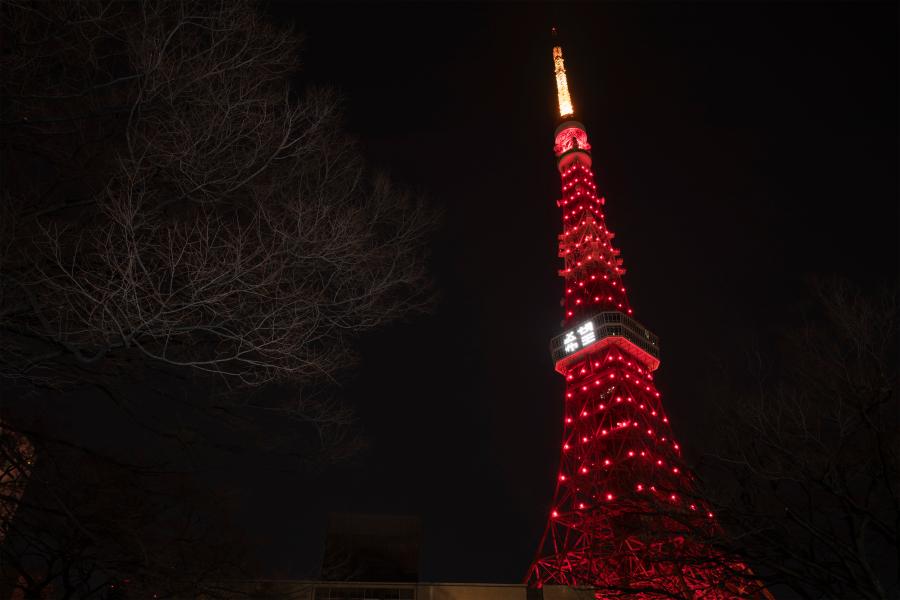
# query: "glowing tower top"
[562,84]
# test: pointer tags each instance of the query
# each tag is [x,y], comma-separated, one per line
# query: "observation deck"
[599,331]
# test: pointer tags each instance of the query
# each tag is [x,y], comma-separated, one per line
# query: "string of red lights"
[624,498]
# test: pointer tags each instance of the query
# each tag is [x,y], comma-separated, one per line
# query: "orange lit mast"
[562,85]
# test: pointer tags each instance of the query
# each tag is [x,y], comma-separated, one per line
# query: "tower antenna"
[562,84]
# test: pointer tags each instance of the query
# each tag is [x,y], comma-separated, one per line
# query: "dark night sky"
[740,148]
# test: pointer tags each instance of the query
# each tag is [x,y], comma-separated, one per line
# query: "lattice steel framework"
[624,517]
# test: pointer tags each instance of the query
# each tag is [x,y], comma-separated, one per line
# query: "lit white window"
[587,333]
[570,343]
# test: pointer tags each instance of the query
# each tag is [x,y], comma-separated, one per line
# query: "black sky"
[740,147]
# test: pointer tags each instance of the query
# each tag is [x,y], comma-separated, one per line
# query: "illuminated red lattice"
[624,517]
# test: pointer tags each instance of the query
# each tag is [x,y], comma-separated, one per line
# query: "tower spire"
[562,84]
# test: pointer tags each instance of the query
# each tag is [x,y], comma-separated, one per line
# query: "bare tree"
[89,527]
[16,464]
[174,206]
[807,475]
[168,199]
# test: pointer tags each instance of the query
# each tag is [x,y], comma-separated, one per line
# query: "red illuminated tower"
[623,511]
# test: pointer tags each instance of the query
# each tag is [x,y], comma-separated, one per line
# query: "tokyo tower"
[623,512]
